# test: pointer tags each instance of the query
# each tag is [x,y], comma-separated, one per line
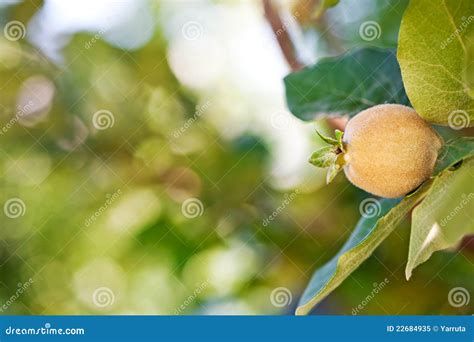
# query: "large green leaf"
[368,234]
[431,52]
[444,216]
[345,84]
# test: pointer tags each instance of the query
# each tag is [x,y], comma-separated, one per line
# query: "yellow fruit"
[389,150]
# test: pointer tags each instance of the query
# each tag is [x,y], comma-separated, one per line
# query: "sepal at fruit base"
[331,156]
[324,157]
[337,142]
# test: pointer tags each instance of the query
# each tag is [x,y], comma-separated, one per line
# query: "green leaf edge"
[414,263]
[317,115]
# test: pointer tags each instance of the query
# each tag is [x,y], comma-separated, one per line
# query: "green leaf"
[444,216]
[453,151]
[368,234]
[431,52]
[324,157]
[345,84]
[322,6]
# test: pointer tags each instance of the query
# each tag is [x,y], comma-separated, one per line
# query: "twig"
[283,38]
[288,49]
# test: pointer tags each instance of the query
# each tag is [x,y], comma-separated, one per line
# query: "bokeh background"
[149,164]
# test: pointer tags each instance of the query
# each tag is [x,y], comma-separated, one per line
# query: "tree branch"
[281,34]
